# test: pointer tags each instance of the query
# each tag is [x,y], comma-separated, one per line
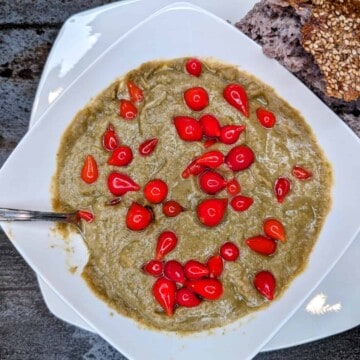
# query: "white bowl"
[175,31]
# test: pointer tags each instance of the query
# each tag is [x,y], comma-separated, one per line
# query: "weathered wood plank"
[22,56]
[40,12]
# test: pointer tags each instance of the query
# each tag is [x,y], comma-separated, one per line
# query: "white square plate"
[25,182]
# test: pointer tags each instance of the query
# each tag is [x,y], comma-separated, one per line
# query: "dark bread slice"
[276,26]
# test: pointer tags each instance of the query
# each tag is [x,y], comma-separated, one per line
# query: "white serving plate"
[45,252]
[330,311]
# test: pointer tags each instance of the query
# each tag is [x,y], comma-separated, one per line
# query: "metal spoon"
[30,215]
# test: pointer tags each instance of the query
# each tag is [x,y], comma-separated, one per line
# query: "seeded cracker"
[332,36]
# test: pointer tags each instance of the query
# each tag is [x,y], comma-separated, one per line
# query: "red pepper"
[231,133]
[210,289]
[138,217]
[119,184]
[210,125]
[89,171]
[211,159]
[194,67]
[156,191]
[154,268]
[128,110]
[281,188]
[233,187]
[187,298]
[148,146]
[265,284]
[172,208]
[195,270]
[110,139]
[188,128]
[211,182]
[209,142]
[229,251]
[136,94]
[236,96]
[239,158]
[241,203]
[166,242]
[274,229]
[301,173]
[215,265]
[121,156]
[164,291]
[266,118]
[211,211]
[192,169]
[86,215]
[174,271]
[196,98]
[262,245]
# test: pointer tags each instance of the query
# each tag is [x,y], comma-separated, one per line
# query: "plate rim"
[53,307]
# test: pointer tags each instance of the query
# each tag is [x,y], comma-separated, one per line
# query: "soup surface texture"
[285,149]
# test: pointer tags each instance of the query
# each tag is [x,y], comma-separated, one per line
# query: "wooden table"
[27,329]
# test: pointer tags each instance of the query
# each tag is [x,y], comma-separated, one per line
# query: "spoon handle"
[30,215]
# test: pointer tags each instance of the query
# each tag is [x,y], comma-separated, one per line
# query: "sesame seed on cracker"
[332,36]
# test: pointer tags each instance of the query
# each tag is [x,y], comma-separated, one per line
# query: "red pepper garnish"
[110,139]
[195,270]
[174,271]
[233,187]
[121,156]
[211,211]
[301,173]
[136,94]
[274,229]
[210,125]
[89,171]
[211,182]
[148,146]
[210,289]
[128,110]
[239,158]
[211,159]
[229,251]
[172,208]
[119,184]
[139,217]
[209,142]
[194,67]
[266,118]
[236,96]
[241,203]
[188,128]
[192,169]
[187,298]
[265,284]
[231,133]
[261,244]
[215,265]
[86,215]
[166,242]
[164,291]
[154,268]
[282,188]
[196,98]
